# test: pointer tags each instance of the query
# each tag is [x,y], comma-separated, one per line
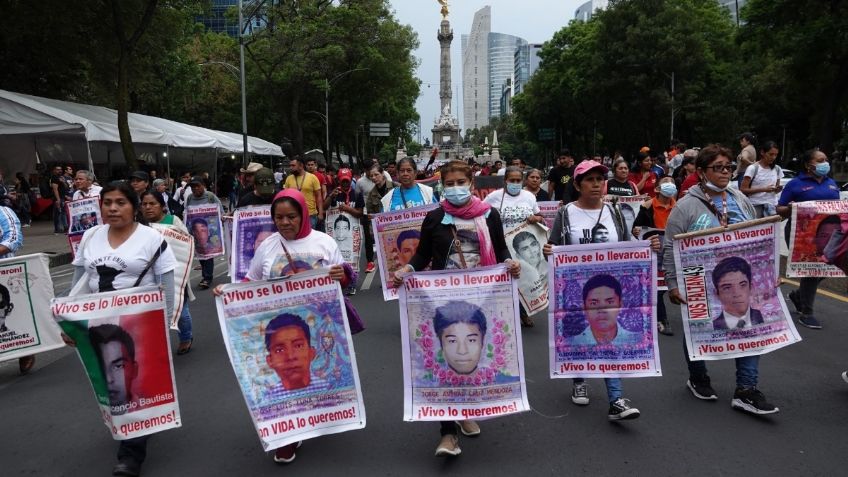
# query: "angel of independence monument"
[446,135]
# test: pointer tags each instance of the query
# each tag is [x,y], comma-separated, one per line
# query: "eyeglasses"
[721,168]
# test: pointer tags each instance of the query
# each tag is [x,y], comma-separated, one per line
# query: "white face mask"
[714,187]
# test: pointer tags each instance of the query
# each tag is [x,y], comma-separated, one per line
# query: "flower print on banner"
[436,368]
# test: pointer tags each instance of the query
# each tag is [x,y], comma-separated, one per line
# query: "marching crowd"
[686,190]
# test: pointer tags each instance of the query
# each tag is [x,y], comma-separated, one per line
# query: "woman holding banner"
[409,194]
[515,206]
[124,253]
[464,232]
[654,214]
[296,248]
[713,203]
[812,183]
[590,220]
[153,209]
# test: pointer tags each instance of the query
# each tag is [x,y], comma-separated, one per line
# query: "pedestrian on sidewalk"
[713,203]
[589,220]
[84,184]
[25,199]
[297,248]
[812,183]
[463,232]
[60,192]
[124,242]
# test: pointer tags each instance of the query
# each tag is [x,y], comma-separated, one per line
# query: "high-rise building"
[475,70]
[585,11]
[501,66]
[216,20]
[734,6]
[526,63]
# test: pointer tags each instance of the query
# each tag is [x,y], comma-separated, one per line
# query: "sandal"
[26,363]
[185,346]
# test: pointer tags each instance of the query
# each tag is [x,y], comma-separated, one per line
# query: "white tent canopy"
[32,115]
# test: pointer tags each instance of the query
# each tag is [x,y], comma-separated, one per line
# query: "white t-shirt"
[93,191]
[118,268]
[583,221]
[764,177]
[316,250]
[515,209]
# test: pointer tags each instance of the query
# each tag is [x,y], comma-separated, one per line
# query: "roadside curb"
[59,259]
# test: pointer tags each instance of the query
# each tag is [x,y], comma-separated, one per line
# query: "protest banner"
[728,276]
[26,323]
[182,245]
[814,223]
[122,341]
[290,347]
[204,224]
[396,236]
[483,185]
[82,214]
[645,233]
[227,224]
[250,226]
[462,352]
[629,206]
[602,317]
[525,244]
[347,232]
[549,209]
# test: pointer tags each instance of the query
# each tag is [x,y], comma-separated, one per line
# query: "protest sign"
[548,209]
[396,237]
[629,206]
[645,233]
[729,279]
[250,226]
[525,244]
[26,323]
[814,223]
[227,224]
[122,341]
[204,224]
[462,353]
[483,185]
[602,317]
[182,245]
[82,214]
[347,232]
[290,347]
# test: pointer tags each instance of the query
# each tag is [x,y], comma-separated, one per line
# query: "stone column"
[445,37]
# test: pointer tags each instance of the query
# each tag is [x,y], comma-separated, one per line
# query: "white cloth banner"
[182,245]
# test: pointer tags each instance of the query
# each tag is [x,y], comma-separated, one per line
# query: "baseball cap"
[584,167]
[264,181]
[345,173]
[645,149]
[196,180]
[141,175]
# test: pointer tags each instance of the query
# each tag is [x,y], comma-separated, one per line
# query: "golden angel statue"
[444,4]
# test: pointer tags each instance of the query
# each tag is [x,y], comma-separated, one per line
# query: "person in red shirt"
[312,168]
[642,176]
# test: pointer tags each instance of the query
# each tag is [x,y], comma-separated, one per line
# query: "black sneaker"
[701,389]
[753,401]
[127,468]
[620,410]
[796,300]
[810,322]
[665,328]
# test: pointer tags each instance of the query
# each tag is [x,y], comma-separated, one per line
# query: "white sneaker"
[448,446]
[469,428]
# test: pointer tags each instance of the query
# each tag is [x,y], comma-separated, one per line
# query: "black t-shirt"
[562,179]
[253,199]
[542,195]
[63,186]
[615,187]
[352,199]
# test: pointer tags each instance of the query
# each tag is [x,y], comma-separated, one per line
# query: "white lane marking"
[367,283]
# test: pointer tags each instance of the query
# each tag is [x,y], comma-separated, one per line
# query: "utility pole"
[671,134]
[243,91]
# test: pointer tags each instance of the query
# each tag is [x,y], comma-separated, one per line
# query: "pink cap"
[586,166]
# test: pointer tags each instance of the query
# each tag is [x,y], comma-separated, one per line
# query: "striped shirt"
[10,231]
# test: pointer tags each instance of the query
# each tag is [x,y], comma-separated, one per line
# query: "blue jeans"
[60,221]
[747,369]
[313,222]
[184,323]
[207,267]
[613,387]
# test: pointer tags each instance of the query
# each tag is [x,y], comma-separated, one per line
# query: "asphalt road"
[51,425]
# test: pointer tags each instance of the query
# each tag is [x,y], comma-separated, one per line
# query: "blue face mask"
[822,169]
[668,189]
[457,195]
[513,189]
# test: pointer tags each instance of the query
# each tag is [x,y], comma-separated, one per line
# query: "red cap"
[345,173]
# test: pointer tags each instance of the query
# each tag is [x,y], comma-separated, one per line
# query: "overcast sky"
[534,20]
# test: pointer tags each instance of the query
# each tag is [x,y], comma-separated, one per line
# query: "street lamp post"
[243,92]
[327,84]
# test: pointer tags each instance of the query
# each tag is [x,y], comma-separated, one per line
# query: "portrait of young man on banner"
[525,245]
[396,235]
[814,224]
